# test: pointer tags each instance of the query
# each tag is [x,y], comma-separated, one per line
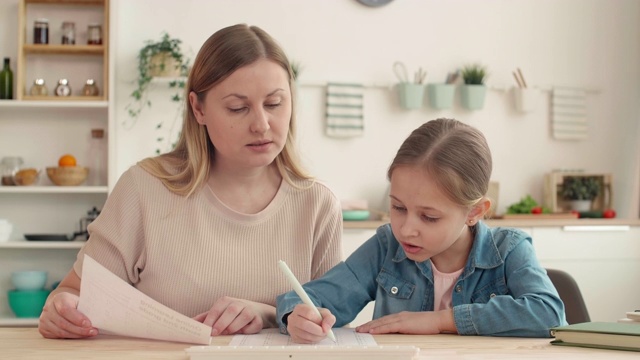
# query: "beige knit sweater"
[188,252]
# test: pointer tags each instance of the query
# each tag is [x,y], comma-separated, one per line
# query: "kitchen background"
[586,44]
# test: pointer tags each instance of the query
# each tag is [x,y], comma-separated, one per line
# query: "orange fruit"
[67,160]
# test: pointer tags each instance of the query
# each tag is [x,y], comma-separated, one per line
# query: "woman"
[201,228]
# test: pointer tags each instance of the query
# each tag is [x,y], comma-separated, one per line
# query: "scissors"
[401,71]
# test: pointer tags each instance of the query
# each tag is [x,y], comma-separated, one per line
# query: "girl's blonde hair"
[456,155]
[187,166]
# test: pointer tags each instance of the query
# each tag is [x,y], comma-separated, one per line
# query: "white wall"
[588,43]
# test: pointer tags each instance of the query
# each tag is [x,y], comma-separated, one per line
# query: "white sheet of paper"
[272,337]
[115,307]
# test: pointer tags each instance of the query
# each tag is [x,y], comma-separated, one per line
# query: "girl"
[436,268]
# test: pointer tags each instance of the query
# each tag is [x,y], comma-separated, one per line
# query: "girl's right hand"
[60,318]
[305,327]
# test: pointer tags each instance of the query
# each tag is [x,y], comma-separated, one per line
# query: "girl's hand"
[60,318]
[405,322]
[305,327]
[237,316]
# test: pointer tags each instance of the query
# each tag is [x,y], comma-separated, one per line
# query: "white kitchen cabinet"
[41,129]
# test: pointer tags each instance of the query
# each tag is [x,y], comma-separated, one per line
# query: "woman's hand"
[305,327]
[237,316]
[60,318]
[405,322]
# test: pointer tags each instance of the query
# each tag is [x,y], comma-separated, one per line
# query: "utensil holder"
[472,96]
[441,95]
[411,95]
[525,100]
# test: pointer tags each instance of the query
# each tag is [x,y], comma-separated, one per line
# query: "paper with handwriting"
[273,337]
[115,307]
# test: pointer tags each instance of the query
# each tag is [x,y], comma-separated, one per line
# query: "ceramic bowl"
[355,215]
[27,304]
[67,175]
[29,280]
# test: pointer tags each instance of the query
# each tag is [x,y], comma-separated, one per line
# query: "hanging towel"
[569,114]
[345,115]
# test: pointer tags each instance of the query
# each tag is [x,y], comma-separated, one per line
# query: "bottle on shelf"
[68,33]
[6,80]
[94,34]
[41,31]
[97,158]
[39,88]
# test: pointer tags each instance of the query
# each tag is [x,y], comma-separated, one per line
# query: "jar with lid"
[68,33]
[90,88]
[8,167]
[41,31]
[63,88]
[94,34]
[38,88]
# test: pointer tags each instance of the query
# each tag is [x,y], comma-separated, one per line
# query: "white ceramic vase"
[580,205]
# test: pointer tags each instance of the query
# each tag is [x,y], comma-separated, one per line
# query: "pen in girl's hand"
[301,293]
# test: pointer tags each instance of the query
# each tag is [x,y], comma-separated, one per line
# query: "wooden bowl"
[67,175]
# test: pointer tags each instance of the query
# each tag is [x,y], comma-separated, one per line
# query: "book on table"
[602,335]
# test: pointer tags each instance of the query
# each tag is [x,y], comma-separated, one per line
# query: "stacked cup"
[29,295]
[5,230]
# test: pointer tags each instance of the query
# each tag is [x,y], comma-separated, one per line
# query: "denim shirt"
[502,291]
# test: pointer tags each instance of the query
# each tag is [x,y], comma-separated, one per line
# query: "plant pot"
[163,65]
[441,95]
[525,100]
[580,205]
[472,96]
[411,95]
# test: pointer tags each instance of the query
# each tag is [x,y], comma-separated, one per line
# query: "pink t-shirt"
[443,284]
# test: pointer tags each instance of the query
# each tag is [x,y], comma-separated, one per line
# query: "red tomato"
[609,214]
[576,212]
[536,210]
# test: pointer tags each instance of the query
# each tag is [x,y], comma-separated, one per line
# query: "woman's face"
[247,115]
[423,219]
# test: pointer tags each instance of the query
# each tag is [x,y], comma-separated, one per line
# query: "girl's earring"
[471,222]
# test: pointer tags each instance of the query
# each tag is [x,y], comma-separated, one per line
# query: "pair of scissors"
[401,71]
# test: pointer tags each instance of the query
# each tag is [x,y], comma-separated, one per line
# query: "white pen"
[300,291]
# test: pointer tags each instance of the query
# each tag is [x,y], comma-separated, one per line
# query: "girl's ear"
[196,107]
[479,210]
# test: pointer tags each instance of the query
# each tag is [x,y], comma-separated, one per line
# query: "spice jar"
[38,88]
[41,31]
[9,166]
[63,88]
[68,33]
[94,34]
[90,88]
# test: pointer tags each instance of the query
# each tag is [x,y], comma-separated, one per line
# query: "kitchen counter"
[373,224]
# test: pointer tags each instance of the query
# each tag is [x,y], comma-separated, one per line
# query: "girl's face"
[424,221]
[247,115]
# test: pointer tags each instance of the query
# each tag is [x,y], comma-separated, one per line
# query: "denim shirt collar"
[484,253]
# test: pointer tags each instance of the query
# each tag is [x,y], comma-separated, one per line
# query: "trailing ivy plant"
[146,68]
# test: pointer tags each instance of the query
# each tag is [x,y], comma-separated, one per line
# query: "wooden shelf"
[56,102]
[68,2]
[54,189]
[63,98]
[63,49]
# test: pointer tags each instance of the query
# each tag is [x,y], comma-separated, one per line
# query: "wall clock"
[374,3]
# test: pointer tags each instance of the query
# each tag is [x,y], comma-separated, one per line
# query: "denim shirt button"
[458,288]
[394,290]
[492,295]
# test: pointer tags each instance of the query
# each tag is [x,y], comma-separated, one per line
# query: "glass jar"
[8,166]
[63,88]
[68,33]
[38,88]
[90,88]
[94,34]
[41,31]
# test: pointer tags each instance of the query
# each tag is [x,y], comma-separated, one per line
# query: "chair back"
[574,305]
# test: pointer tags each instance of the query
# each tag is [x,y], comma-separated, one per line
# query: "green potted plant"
[580,191]
[162,58]
[474,90]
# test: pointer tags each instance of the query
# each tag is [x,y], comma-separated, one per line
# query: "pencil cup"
[472,96]
[441,95]
[411,95]
[525,100]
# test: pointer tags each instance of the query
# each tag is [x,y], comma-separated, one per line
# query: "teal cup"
[27,303]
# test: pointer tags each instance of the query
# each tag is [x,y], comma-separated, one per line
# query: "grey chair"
[575,307]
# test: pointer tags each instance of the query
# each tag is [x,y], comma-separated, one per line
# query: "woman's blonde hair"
[455,154]
[187,166]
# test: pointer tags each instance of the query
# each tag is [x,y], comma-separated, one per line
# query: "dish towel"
[345,113]
[569,113]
